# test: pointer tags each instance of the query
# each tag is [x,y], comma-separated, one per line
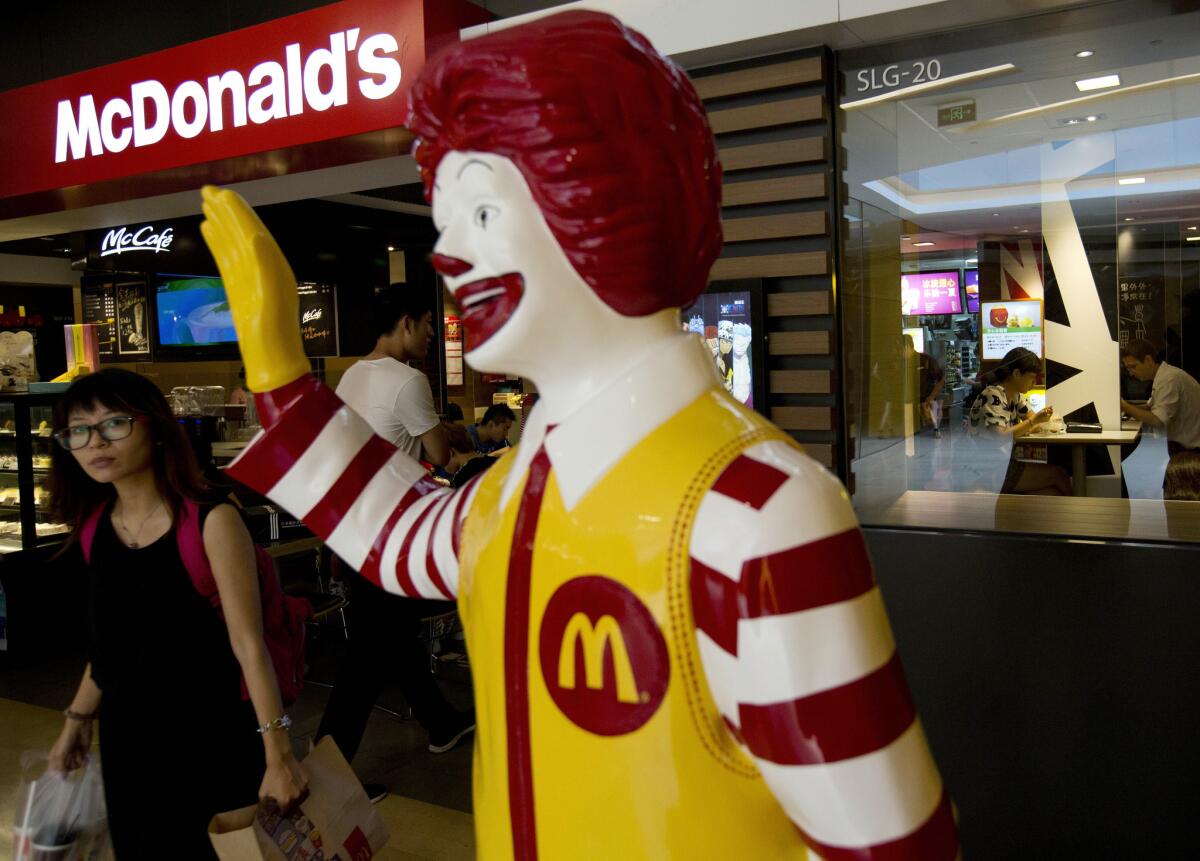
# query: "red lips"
[487,304]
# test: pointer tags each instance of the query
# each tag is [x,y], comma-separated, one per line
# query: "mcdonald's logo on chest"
[604,659]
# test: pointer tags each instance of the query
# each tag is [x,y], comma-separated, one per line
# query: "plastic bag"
[60,817]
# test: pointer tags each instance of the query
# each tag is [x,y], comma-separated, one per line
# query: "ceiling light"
[1131,180]
[1073,122]
[1193,227]
[1092,118]
[1193,239]
[922,244]
[995,215]
[1100,83]
[1085,53]
[391,248]
[1129,219]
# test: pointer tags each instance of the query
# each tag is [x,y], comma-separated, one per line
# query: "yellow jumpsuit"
[631,758]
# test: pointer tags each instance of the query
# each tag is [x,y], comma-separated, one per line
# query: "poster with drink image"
[1006,325]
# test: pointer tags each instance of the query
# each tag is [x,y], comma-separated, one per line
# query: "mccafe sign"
[121,239]
[336,71]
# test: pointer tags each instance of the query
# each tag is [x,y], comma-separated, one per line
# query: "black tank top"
[150,632]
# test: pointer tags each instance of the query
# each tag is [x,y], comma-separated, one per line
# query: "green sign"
[952,115]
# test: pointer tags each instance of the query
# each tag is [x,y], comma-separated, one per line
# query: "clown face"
[520,296]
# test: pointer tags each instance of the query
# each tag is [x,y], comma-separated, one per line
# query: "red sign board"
[335,71]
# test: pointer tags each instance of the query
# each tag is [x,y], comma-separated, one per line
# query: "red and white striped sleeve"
[372,504]
[800,659]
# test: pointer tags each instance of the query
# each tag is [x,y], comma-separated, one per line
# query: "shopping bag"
[336,822]
[60,817]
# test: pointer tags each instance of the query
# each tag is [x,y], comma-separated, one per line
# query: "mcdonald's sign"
[604,659]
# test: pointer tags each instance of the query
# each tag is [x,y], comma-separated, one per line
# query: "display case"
[25,441]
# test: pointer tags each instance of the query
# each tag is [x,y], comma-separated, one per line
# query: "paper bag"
[337,822]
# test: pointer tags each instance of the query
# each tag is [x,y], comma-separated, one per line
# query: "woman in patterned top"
[1001,412]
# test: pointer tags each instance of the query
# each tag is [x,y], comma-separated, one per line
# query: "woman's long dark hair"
[73,494]
[1016,359]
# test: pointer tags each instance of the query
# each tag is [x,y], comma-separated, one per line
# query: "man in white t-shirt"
[1174,400]
[393,397]
[397,402]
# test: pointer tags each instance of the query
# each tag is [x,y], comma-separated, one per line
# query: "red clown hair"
[610,137]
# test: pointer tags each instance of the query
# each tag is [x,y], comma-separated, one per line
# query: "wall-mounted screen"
[971,288]
[725,317]
[1006,325]
[194,312]
[930,293]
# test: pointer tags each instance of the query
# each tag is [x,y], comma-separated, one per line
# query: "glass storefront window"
[1020,276]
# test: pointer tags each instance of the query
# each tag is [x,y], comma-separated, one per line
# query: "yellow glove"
[261,290]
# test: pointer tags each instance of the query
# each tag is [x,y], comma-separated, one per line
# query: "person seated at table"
[1182,481]
[1002,412]
[1174,403]
[491,433]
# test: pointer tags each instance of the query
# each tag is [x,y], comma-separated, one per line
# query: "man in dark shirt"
[491,433]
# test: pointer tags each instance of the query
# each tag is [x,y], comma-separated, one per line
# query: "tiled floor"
[429,812]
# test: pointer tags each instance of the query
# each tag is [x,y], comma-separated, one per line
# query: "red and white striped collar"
[593,439]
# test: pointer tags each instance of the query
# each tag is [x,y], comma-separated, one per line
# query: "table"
[1127,435]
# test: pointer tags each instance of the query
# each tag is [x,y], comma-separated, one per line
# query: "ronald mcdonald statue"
[678,647]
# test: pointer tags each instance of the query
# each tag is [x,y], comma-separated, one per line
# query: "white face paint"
[521,298]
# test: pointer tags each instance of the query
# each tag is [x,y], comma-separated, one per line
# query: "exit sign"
[952,115]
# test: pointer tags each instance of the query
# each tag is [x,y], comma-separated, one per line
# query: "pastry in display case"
[25,446]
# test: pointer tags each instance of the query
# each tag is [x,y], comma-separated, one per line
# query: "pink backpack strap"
[189,536]
[87,532]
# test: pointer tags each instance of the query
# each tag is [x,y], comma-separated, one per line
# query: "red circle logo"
[603,657]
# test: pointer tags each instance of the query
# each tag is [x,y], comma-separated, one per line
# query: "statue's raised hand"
[261,290]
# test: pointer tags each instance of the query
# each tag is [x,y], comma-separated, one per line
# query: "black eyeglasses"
[111,429]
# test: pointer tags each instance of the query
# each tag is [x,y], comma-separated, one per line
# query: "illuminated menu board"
[971,288]
[100,307]
[318,318]
[930,293]
[1006,325]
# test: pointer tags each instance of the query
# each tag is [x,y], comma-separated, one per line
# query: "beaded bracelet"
[82,718]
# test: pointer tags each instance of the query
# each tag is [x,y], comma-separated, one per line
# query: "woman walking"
[165,667]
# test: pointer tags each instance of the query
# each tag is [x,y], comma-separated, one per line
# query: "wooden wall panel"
[803,187]
[809,303]
[799,343]
[761,78]
[803,418]
[822,454]
[801,382]
[768,114]
[776,226]
[772,117]
[771,266]
[801,151]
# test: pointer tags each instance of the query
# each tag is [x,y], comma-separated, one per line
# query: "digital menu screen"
[194,312]
[1006,325]
[723,320]
[318,318]
[971,288]
[930,293]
